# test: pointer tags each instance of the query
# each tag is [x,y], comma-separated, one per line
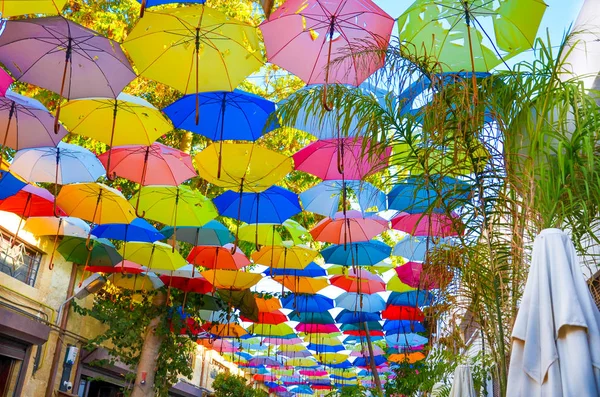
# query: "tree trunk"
[185,144]
[146,370]
[267,6]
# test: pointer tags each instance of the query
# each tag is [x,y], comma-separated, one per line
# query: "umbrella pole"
[473,76]
[326,105]
[112,175]
[372,360]
[51,262]
[223,107]
[87,241]
[175,220]
[16,235]
[256,228]
[237,231]
[144,170]
[143,8]
[197,69]
[68,52]
[10,116]
[56,184]
[272,252]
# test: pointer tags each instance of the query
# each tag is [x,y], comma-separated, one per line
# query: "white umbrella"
[462,386]
[556,337]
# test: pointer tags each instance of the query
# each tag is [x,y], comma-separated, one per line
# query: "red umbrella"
[317,328]
[411,313]
[124,266]
[274,318]
[351,226]
[218,257]
[341,159]
[196,284]
[366,283]
[433,225]
[363,333]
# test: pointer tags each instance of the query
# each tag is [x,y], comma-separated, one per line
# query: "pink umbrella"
[317,328]
[351,226]
[5,81]
[313,372]
[341,158]
[304,36]
[432,225]
[411,274]
[168,166]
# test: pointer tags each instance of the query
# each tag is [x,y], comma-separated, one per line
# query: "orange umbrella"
[268,304]
[302,285]
[409,358]
[218,257]
[229,330]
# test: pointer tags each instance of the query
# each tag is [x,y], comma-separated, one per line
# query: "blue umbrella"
[229,116]
[274,205]
[213,233]
[411,298]
[350,317]
[311,317]
[360,302]
[405,340]
[361,339]
[415,248]
[357,254]
[271,385]
[338,377]
[402,326]
[307,303]
[137,230]
[325,198]
[302,389]
[9,185]
[363,362]
[152,3]
[325,348]
[414,196]
[312,270]
[343,365]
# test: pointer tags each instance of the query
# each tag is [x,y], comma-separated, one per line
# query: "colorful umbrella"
[229,330]
[95,203]
[268,304]
[417,194]
[432,225]
[393,312]
[344,158]
[405,340]
[121,267]
[136,282]
[9,184]
[250,168]
[411,273]
[212,233]
[230,279]
[357,254]
[327,197]
[360,303]
[273,205]
[304,36]
[411,298]
[307,303]
[349,226]
[26,123]
[76,250]
[61,56]
[312,318]
[125,120]
[312,270]
[151,3]
[154,255]
[282,257]
[415,248]
[269,234]
[137,230]
[406,358]
[302,285]
[196,283]
[173,45]
[272,331]
[396,285]
[317,328]
[402,326]
[302,363]
[218,257]
[9,8]
[274,317]
[365,284]
[6,81]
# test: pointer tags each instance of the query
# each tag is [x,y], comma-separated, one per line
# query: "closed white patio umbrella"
[556,337]
[462,386]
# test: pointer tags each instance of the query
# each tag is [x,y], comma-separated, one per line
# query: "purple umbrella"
[26,123]
[65,57]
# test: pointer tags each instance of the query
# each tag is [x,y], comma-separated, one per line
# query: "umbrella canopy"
[302,363]
[417,275]
[9,184]
[231,116]
[364,284]
[136,282]
[212,233]
[75,249]
[408,358]
[95,203]
[63,164]
[405,340]
[5,82]
[172,45]
[28,124]
[326,197]
[432,225]
[302,285]
[137,230]
[155,255]
[306,303]
[229,330]
[395,312]
[168,166]
[10,8]
[414,248]
[312,318]
[274,317]
[247,167]
[556,336]
[344,158]
[415,195]
[360,303]
[411,298]
[30,201]
[218,257]
[295,257]
[312,270]
[196,284]
[350,226]
[121,267]
[317,328]
[230,279]
[271,330]
[273,205]
[358,254]
[402,326]
[62,56]
[175,205]
[303,37]
[62,226]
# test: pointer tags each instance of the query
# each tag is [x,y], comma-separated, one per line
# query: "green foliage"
[228,385]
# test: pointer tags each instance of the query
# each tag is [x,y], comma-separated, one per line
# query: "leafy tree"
[228,385]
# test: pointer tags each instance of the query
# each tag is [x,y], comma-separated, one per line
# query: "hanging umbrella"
[358,254]
[264,360]
[402,326]
[312,318]
[432,225]
[302,285]
[229,330]
[6,81]
[360,303]
[426,194]
[272,331]
[175,206]
[102,252]
[323,348]
[307,303]
[364,283]
[136,282]
[168,166]
[64,57]
[9,185]
[304,37]
[343,158]
[125,120]
[138,230]
[218,257]
[405,340]
[394,312]
[282,257]
[95,203]
[154,255]
[274,317]
[462,384]
[556,336]
[269,304]
[273,234]
[412,274]
[53,226]
[311,270]
[411,298]
[196,283]
[10,8]
[121,267]
[151,3]
[26,123]
[230,279]
[327,197]
[415,248]
[349,226]
[302,363]
[171,46]
[212,233]
[317,328]
[273,205]
[250,168]
[396,285]
[407,358]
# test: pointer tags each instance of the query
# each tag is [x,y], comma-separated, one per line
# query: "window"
[217,368]
[18,259]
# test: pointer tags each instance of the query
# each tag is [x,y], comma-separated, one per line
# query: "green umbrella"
[373,326]
[243,300]
[103,253]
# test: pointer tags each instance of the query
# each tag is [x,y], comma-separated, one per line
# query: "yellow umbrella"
[302,285]
[155,256]
[283,257]
[331,358]
[378,268]
[396,285]
[11,8]
[270,234]
[271,330]
[95,203]
[301,362]
[136,282]
[247,166]
[173,45]
[127,120]
[231,279]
